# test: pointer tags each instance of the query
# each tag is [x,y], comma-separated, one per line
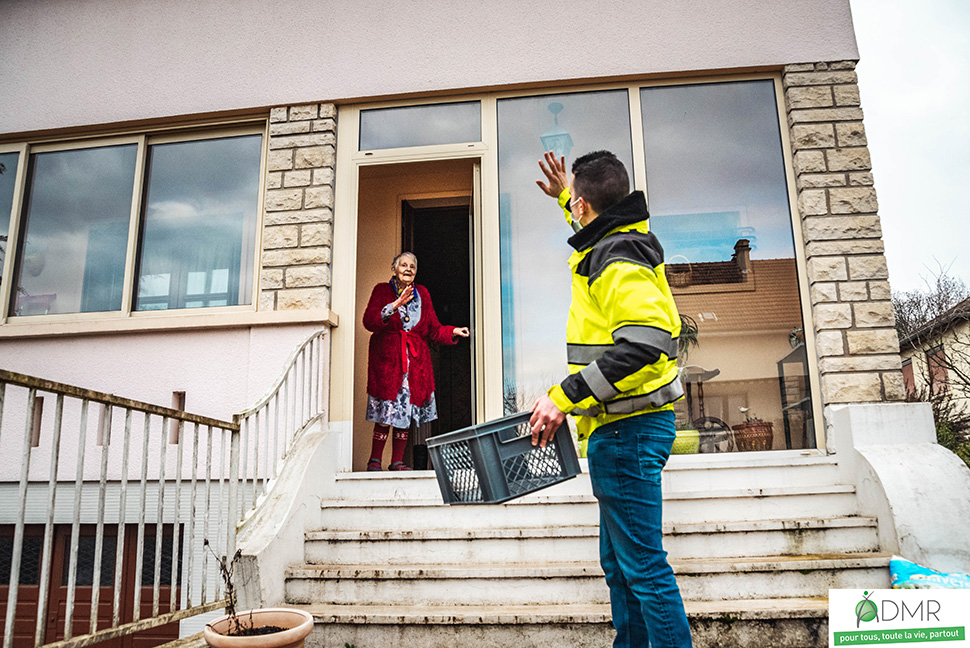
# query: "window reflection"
[534,251]
[71,256]
[8,174]
[451,123]
[199,225]
[719,204]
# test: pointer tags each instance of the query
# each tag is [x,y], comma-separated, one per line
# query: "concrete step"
[565,543]
[565,583]
[542,509]
[683,473]
[789,622]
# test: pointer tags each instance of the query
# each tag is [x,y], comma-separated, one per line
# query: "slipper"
[398,465]
[374,465]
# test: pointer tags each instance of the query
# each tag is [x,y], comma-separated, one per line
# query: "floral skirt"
[400,412]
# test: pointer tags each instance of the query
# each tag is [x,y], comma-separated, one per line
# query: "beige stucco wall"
[222,371]
[75,63]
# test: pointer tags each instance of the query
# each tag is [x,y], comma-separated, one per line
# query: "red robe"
[385,354]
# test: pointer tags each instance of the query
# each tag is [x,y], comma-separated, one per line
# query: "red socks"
[398,444]
[377,445]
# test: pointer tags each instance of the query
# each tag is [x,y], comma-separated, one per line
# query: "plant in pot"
[687,339]
[754,433]
[263,628]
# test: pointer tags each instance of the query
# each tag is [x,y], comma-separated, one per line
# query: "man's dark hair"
[601,179]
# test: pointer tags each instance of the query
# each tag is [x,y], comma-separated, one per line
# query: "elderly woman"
[400,381]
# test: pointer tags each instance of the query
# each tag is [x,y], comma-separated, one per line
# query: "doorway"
[427,208]
[440,238]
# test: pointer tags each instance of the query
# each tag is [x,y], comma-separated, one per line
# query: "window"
[909,380]
[71,253]
[451,123]
[191,202]
[936,370]
[199,225]
[718,195]
[719,204]
[534,253]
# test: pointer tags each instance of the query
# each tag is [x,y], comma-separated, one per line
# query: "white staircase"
[756,542]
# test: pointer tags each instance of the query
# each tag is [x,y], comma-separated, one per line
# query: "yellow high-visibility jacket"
[621,336]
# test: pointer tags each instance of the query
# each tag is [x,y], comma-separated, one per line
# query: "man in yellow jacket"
[621,347]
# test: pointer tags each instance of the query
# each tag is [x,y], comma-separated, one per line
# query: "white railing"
[173,480]
[148,470]
[271,427]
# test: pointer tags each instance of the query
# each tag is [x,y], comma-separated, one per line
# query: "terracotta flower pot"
[298,625]
[754,435]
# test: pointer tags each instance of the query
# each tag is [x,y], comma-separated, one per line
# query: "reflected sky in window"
[535,274]
[715,172]
[199,228]
[451,123]
[78,208]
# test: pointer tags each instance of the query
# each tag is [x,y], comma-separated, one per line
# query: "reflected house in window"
[702,237]
[746,311]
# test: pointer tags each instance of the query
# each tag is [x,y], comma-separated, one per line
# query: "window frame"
[127,318]
[349,160]
[13,229]
[414,104]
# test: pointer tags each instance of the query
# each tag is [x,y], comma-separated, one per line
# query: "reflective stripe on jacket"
[623,325]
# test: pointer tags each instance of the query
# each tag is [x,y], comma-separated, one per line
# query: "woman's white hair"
[403,254]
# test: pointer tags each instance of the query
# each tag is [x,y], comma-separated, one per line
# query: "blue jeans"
[625,460]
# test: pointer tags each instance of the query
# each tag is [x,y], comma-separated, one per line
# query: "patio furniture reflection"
[715,434]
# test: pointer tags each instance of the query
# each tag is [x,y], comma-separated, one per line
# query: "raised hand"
[555,171]
[404,298]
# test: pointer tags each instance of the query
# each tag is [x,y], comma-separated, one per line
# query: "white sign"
[884,617]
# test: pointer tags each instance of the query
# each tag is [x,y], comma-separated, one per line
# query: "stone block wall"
[298,218]
[855,332]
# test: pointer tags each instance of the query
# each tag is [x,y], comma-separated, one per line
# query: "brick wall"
[298,220]
[855,337]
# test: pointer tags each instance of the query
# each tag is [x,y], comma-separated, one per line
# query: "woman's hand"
[404,298]
[459,332]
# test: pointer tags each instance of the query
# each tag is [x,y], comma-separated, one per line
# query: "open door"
[429,208]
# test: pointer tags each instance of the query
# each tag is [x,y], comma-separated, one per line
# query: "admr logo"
[865,610]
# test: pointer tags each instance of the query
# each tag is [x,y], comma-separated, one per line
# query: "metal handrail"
[241,460]
[23,397]
[289,408]
[41,384]
[278,383]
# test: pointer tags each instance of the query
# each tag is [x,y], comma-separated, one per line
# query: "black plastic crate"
[496,461]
